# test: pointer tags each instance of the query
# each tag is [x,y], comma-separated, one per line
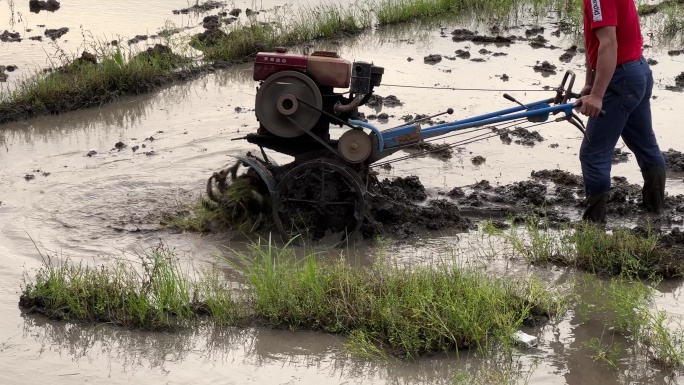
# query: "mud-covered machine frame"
[324,189]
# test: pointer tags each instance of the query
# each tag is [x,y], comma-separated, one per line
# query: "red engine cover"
[268,63]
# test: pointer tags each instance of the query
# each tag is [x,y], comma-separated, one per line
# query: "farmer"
[619,81]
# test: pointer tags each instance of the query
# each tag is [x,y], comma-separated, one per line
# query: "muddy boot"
[653,192]
[596,208]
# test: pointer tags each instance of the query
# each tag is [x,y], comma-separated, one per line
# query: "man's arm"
[589,80]
[607,59]
[605,67]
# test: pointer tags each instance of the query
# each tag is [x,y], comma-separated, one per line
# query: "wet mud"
[460,35]
[441,151]
[212,33]
[55,34]
[678,83]
[432,59]
[523,135]
[620,156]
[39,5]
[379,101]
[401,209]
[199,8]
[671,263]
[10,37]
[545,68]
[674,160]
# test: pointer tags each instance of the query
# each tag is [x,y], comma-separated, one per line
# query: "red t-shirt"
[619,13]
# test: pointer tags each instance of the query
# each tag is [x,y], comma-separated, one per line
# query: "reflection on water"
[288,352]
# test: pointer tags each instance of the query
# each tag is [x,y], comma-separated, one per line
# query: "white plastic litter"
[526,339]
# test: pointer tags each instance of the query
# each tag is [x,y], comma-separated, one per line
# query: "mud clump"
[456,192]
[463,54]
[36,6]
[679,83]
[412,187]
[56,33]
[160,50]
[519,194]
[478,160]
[526,137]
[432,59]
[559,177]
[674,160]
[211,22]
[392,101]
[440,151]
[539,42]
[212,34]
[137,39]
[620,156]
[393,209]
[568,55]
[199,8]
[86,57]
[545,68]
[10,37]
[460,35]
[670,247]
[534,31]
[379,101]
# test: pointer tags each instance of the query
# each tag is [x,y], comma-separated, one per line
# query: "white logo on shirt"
[596,10]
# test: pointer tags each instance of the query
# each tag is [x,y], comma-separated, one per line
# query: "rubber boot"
[653,192]
[596,208]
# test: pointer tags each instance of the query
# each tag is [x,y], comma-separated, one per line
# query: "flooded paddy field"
[95,186]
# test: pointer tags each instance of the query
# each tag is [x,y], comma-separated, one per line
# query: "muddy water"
[97,207]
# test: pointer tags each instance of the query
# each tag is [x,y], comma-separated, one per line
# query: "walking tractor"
[323,192]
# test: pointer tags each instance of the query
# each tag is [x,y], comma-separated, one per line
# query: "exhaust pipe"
[340,108]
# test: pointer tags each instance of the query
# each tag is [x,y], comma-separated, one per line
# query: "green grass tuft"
[385,309]
[82,84]
[620,252]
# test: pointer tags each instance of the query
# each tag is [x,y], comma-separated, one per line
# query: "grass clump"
[625,308]
[154,295]
[619,252]
[84,82]
[399,11]
[384,310]
[406,312]
[241,206]
[290,28]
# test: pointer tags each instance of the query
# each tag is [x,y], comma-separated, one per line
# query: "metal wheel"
[320,199]
[244,191]
[277,108]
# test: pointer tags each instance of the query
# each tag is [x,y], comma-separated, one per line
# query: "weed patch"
[625,306]
[155,295]
[385,309]
[626,252]
[84,83]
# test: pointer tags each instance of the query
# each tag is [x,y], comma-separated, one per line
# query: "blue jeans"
[627,103]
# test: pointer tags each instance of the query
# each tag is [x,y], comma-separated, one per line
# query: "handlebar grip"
[602,113]
[509,97]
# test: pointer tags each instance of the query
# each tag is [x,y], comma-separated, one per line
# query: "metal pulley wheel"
[277,108]
[354,146]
